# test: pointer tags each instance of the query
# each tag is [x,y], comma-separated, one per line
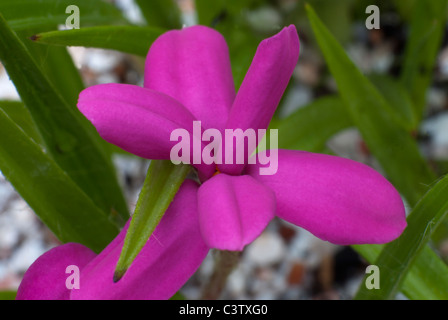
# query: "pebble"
[236,284]
[263,19]
[100,60]
[269,248]
[437,128]
[131,11]
[297,273]
[297,97]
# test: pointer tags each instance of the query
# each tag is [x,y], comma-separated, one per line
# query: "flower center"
[216,171]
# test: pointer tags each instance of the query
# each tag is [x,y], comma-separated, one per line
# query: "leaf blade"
[398,256]
[129,39]
[310,127]
[70,139]
[18,113]
[161,13]
[26,14]
[162,182]
[426,33]
[54,197]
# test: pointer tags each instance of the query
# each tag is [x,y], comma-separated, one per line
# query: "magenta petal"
[264,85]
[167,261]
[137,120]
[46,278]
[233,211]
[337,199]
[192,65]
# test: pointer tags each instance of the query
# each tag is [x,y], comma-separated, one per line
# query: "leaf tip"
[118,274]
[309,9]
[35,37]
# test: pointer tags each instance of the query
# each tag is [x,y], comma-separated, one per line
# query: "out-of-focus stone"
[267,249]
[296,273]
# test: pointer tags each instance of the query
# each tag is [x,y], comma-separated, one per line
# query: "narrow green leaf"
[212,13]
[54,197]
[18,113]
[338,16]
[426,279]
[405,8]
[26,14]
[129,39]
[178,296]
[426,33]
[209,13]
[310,127]
[161,185]
[394,147]
[397,257]
[161,13]
[402,107]
[8,295]
[58,67]
[70,139]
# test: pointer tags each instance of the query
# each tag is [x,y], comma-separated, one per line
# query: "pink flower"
[188,78]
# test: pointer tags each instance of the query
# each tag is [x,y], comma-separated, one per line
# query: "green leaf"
[8,295]
[161,13]
[426,33]
[209,13]
[26,14]
[58,66]
[310,127]
[69,138]
[18,113]
[178,296]
[398,256]
[161,185]
[337,15]
[402,107]
[213,13]
[393,146]
[404,8]
[54,197]
[425,278]
[129,39]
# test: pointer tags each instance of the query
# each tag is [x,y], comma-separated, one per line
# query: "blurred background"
[285,262]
